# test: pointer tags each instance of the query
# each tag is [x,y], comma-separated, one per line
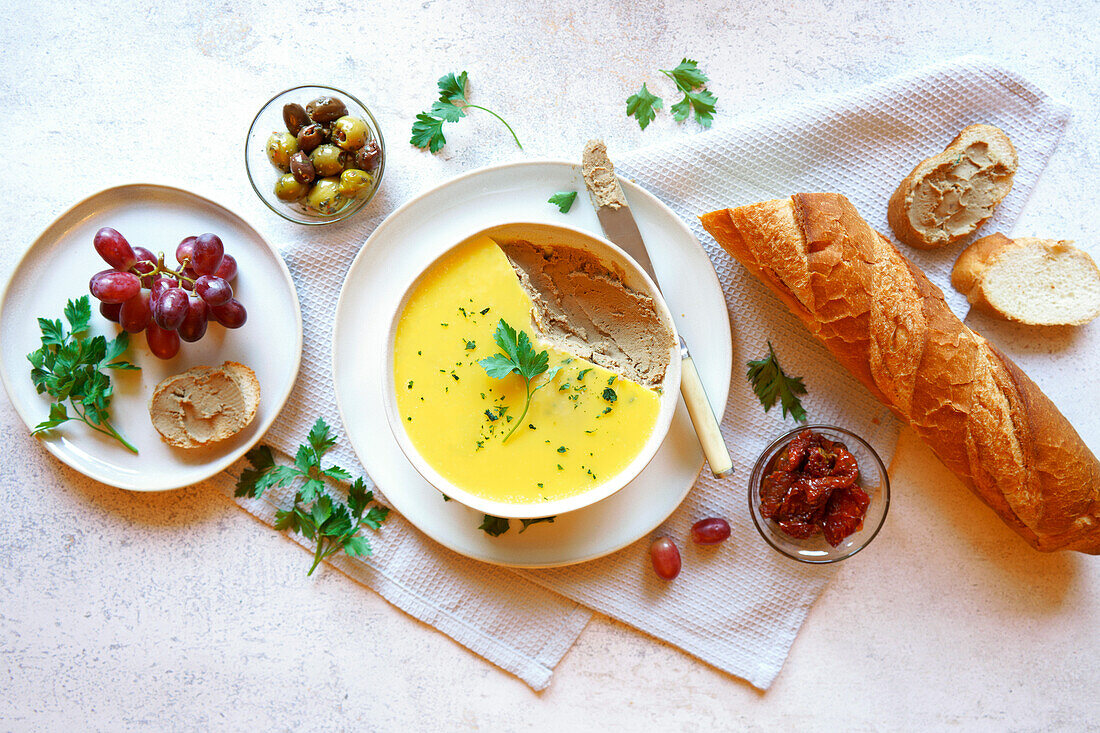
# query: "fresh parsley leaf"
[496,526]
[690,80]
[702,102]
[518,357]
[452,106]
[687,75]
[452,88]
[609,394]
[770,383]
[528,522]
[315,514]
[68,367]
[493,526]
[427,132]
[643,106]
[563,200]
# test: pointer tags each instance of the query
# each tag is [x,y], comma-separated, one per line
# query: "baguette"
[1041,282]
[883,320]
[947,197]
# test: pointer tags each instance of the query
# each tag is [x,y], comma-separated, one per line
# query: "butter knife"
[618,224]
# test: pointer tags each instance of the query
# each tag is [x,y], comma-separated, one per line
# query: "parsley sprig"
[316,515]
[691,81]
[518,358]
[770,383]
[427,131]
[68,367]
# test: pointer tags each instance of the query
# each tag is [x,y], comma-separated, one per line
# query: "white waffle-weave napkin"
[739,606]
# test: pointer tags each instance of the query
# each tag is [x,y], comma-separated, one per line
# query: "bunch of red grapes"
[141,293]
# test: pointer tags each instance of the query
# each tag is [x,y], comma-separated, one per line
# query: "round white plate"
[57,267]
[416,234]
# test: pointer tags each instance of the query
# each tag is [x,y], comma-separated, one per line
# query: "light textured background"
[178,611]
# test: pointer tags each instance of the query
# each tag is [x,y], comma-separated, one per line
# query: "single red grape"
[227,270]
[162,283]
[185,249]
[170,308]
[213,290]
[136,312]
[710,531]
[110,311]
[112,286]
[163,344]
[114,249]
[230,315]
[666,558]
[193,327]
[206,254]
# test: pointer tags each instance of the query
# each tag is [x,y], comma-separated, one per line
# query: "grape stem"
[159,268]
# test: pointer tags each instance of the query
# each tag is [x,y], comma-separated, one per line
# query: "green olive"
[328,160]
[325,197]
[350,133]
[354,182]
[288,189]
[280,146]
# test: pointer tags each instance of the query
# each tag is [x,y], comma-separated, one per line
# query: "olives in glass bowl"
[315,155]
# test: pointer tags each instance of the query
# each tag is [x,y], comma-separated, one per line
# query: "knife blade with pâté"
[618,224]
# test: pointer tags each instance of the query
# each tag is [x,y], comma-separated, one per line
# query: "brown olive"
[309,137]
[295,117]
[367,157]
[326,109]
[328,160]
[280,146]
[350,133]
[301,167]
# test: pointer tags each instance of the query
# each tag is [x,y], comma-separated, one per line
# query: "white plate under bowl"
[417,233]
[57,267]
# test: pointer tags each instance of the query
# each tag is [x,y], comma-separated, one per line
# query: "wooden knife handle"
[702,417]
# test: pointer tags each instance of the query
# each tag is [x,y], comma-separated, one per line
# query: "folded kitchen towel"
[737,607]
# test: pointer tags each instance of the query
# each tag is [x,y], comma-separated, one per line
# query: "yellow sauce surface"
[582,428]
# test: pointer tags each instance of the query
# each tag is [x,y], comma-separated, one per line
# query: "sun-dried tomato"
[811,489]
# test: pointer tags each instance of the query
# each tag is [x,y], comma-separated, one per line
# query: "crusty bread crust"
[887,323]
[968,274]
[975,192]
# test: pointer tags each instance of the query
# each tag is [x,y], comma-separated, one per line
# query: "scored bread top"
[948,196]
[888,324]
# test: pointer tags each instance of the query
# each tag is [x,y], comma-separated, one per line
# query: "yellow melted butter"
[445,398]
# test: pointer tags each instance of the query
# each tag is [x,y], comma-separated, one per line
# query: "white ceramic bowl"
[634,277]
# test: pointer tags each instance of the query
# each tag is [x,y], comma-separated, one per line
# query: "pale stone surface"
[178,611]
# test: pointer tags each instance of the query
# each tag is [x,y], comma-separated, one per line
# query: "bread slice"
[948,196]
[205,405]
[1042,282]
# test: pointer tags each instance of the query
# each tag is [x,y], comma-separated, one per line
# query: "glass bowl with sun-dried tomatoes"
[819,494]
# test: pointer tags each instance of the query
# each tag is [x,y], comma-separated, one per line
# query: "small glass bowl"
[873,479]
[262,175]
